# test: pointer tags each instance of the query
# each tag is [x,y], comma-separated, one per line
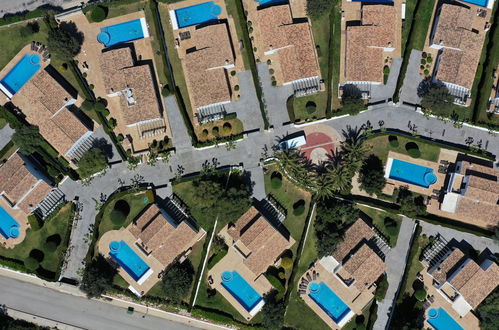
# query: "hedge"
[9,19]
[99,14]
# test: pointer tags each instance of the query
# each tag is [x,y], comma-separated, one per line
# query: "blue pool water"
[270,2]
[128,259]
[328,301]
[374,1]
[240,289]
[122,32]
[9,227]
[197,14]
[482,3]
[412,173]
[441,320]
[21,73]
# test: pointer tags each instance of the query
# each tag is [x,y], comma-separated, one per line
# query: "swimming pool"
[374,1]
[197,14]
[128,259]
[9,227]
[328,301]
[411,173]
[441,320]
[20,74]
[270,2]
[123,32]
[482,3]
[241,290]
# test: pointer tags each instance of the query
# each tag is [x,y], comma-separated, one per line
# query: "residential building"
[46,100]
[130,85]
[149,245]
[254,242]
[472,192]
[350,273]
[458,34]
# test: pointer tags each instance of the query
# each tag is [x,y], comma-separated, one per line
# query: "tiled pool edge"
[388,167]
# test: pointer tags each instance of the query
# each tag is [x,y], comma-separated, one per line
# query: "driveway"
[180,137]
[247,107]
[274,98]
[409,90]
[5,135]
[102,140]
[12,6]
[384,92]
[396,261]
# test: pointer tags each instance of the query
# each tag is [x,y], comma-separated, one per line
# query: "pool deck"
[153,263]
[469,321]
[25,50]
[21,218]
[234,261]
[185,44]
[90,53]
[356,300]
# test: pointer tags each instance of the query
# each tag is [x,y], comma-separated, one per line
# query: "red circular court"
[317,140]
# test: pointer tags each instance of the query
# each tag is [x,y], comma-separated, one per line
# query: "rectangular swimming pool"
[271,2]
[241,290]
[128,259]
[328,301]
[197,14]
[9,227]
[123,32]
[20,74]
[410,173]
[441,320]
[482,3]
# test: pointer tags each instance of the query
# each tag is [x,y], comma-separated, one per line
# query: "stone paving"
[5,135]
[412,79]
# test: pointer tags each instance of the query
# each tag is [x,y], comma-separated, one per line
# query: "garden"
[381,145]
[219,130]
[387,223]
[43,249]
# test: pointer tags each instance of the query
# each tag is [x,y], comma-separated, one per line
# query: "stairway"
[80,148]
[50,203]
[306,86]
[436,252]
[210,113]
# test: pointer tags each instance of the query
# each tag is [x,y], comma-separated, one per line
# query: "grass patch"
[236,124]
[335,55]
[378,219]
[240,24]
[118,8]
[159,59]
[7,151]
[380,146]
[300,107]
[58,224]
[3,122]
[407,23]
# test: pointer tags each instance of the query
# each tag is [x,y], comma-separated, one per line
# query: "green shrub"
[386,70]
[429,59]
[412,149]
[274,83]
[276,180]
[215,131]
[120,137]
[38,255]
[269,62]
[31,264]
[281,275]
[50,247]
[63,67]
[299,207]
[271,71]
[99,14]
[423,61]
[227,128]
[233,73]
[34,222]
[87,105]
[166,91]
[91,86]
[236,88]
[117,217]
[311,107]
[286,262]
[422,67]
[424,55]
[426,72]
[112,122]
[393,141]
[99,107]
[420,294]
[381,289]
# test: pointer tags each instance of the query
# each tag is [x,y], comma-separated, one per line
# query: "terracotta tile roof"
[365,43]
[120,73]
[206,78]
[161,236]
[264,241]
[42,100]
[293,42]
[354,235]
[18,182]
[461,29]
[474,283]
[365,267]
[444,270]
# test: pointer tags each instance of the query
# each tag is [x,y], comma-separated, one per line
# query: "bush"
[87,105]
[422,67]
[166,91]
[38,255]
[412,149]
[311,107]
[236,88]
[271,71]
[429,59]
[63,67]
[423,61]
[120,137]
[386,70]
[381,289]
[227,128]
[31,264]
[299,207]
[274,83]
[112,122]
[215,131]
[420,294]
[50,247]
[177,280]
[117,217]
[286,262]
[56,239]
[426,72]
[34,222]
[99,14]
[281,275]
[276,180]
[393,141]
[99,106]
[91,86]
[204,133]
[269,62]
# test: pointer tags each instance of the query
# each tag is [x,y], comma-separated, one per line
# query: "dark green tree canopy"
[28,139]
[65,41]
[372,177]
[98,277]
[177,280]
[489,312]
[273,311]
[93,161]
[435,97]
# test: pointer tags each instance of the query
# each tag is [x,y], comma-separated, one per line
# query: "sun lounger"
[33,45]
[304,280]
[314,276]
[302,291]
[309,277]
[302,286]
[41,49]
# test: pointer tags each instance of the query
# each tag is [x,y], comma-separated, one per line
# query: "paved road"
[395,260]
[15,6]
[75,311]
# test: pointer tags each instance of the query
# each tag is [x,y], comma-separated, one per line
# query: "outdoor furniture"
[304,281]
[41,49]
[314,275]
[436,191]
[302,291]
[309,277]
[444,162]
[33,45]
[303,286]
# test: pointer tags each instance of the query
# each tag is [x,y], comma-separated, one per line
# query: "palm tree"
[324,186]
[353,148]
[340,174]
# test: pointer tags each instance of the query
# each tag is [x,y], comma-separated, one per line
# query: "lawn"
[3,122]
[406,25]
[335,55]
[241,30]
[58,224]
[159,59]
[236,124]
[137,201]
[7,151]
[378,219]
[118,8]
[380,147]
[300,107]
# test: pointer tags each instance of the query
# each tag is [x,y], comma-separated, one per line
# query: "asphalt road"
[75,311]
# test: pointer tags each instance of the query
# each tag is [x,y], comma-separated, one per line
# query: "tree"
[372,177]
[286,262]
[489,312]
[177,280]
[409,205]
[206,193]
[420,294]
[381,289]
[436,98]
[351,99]
[65,41]
[97,277]
[99,14]
[93,161]
[273,311]
[333,218]
[28,139]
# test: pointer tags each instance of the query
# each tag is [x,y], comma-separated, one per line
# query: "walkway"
[5,135]
[396,261]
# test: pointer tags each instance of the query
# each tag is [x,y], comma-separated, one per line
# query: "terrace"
[138,110]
